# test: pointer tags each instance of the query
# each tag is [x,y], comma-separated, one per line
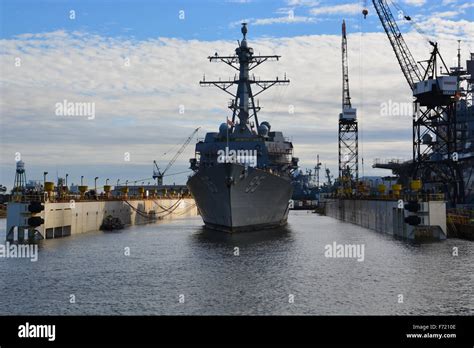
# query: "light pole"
[82,178]
[66,179]
[106,181]
[95,184]
[118,182]
[44,178]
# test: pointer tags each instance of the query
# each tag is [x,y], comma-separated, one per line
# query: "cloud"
[138,105]
[466,5]
[284,20]
[446,14]
[288,18]
[415,2]
[437,27]
[337,9]
[297,3]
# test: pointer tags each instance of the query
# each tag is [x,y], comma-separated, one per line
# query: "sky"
[139,63]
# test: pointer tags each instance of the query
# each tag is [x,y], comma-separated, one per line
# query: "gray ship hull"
[230,199]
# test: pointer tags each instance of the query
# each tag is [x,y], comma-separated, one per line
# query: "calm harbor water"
[179,257]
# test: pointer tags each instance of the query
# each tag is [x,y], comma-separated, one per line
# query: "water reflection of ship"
[282,233]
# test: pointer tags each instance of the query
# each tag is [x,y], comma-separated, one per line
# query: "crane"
[346,97]
[317,168]
[435,159]
[348,127]
[157,173]
[405,59]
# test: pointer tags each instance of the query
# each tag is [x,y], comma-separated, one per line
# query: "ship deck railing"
[25,198]
[77,198]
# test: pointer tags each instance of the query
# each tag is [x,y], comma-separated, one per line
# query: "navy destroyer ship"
[242,174]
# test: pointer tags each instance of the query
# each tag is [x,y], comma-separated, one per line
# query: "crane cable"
[362,104]
[172,148]
[402,14]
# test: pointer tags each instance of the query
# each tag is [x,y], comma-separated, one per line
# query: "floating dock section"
[427,222]
[44,219]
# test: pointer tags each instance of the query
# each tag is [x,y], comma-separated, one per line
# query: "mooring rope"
[171,209]
[187,210]
[168,211]
[140,212]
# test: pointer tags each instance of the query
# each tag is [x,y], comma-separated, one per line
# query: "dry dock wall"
[385,216]
[63,218]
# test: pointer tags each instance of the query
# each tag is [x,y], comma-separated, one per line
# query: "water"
[179,257]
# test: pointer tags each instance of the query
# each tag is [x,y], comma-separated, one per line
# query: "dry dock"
[40,219]
[391,216]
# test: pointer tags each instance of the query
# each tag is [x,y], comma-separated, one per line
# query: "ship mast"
[243,101]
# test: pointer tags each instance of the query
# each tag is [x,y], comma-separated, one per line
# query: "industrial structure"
[348,130]
[20,178]
[440,156]
[157,173]
[54,211]
[45,210]
[317,169]
[415,206]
